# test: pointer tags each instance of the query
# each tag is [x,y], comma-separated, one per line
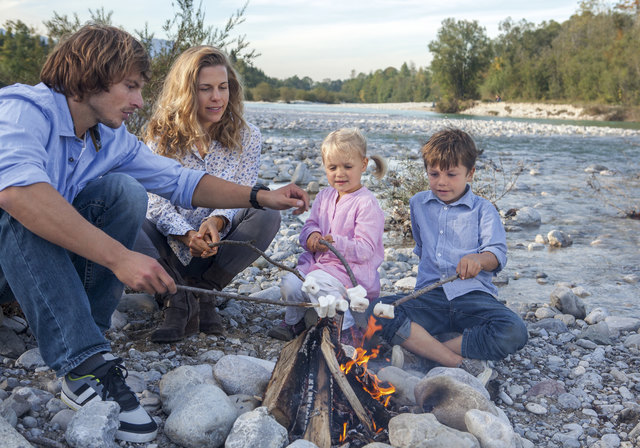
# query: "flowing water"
[605,255]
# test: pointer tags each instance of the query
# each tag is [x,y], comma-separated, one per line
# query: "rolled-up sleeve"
[492,235]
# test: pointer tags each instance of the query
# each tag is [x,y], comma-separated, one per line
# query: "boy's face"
[449,185]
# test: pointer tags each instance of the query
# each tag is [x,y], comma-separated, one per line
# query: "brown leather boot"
[210,320]
[181,312]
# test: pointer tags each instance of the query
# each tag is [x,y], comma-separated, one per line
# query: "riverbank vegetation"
[591,59]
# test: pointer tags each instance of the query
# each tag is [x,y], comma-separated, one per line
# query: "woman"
[199,121]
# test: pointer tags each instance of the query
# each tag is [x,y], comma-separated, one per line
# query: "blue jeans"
[489,329]
[68,300]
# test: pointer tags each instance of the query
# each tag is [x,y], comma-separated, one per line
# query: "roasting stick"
[255,249]
[386,310]
[342,260]
[230,295]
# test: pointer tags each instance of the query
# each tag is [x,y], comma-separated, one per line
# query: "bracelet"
[253,198]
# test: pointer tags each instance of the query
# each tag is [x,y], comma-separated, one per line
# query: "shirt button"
[446,208]
[439,255]
[71,160]
[441,232]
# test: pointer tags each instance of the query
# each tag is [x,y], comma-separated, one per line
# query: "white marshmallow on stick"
[384,310]
[310,286]
[342,305]
[358,298]
[323,307]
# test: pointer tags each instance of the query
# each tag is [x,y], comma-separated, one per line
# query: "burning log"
[302,396]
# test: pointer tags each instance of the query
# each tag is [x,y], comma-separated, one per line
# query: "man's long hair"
[92,59]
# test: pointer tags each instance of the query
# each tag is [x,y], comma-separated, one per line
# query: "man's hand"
[284,197]
[142,273]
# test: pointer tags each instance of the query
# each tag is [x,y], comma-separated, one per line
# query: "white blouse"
[236,166]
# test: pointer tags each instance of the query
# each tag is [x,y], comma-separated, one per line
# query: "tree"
[461,53]
[22,53]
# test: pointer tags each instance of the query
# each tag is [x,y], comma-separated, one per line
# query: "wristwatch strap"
[253,199]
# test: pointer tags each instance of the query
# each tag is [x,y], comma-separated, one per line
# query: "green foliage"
[22,53]
[461,53]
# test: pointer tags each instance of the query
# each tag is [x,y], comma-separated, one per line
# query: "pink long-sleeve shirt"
[356,223]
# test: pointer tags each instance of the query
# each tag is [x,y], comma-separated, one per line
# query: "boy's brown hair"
[92,59]
[448,148]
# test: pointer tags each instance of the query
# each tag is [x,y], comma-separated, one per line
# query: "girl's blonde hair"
[351,141]
[174,126]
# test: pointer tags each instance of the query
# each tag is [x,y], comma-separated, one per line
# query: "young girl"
[347,215]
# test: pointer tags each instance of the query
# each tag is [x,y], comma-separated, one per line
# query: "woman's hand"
[208,233]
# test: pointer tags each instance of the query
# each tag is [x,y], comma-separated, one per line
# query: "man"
[73,185]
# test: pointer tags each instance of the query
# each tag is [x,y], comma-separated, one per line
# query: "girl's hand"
[313,242]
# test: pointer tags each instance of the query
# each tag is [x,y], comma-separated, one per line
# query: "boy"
[455,232]
[73,196]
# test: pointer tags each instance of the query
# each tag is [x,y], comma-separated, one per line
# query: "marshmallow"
[310,286]
[384,310]
[342,305]
[359,305]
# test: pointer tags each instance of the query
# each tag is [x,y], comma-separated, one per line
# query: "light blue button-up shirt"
[38,144]
[444,233]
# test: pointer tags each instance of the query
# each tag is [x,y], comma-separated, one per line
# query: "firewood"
[328,350]
[281,391]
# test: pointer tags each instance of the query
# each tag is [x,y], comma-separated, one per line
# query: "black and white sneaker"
[106,383]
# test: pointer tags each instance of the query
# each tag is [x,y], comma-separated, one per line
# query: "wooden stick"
[255,249]
[425,289]
[329,355]
[230,295]
[342,260]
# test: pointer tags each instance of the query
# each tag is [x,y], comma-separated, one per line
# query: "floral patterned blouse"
[232,165]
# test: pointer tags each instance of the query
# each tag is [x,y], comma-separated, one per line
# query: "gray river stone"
[490,431]
[257,429]
[201,417]
[238,375]
[94,425]
[449,400]
[425,431]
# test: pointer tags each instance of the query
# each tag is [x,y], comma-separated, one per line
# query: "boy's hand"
[469,266]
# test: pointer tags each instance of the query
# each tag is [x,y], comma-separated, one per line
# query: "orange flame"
[373,386]
[343,436]
[372,327]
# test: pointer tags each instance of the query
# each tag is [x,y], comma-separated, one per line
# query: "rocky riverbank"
[575,384]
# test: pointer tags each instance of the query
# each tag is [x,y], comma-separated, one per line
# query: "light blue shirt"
[444,233]
[38,144]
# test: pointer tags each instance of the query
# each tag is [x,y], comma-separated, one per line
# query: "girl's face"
[449,185]
[213,94]
[344,171]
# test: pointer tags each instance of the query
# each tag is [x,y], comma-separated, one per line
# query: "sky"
[316,38]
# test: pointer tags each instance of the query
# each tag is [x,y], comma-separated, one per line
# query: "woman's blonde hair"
[350,141]
[174,126]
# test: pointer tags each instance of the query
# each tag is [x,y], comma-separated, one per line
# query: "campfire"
[320,394]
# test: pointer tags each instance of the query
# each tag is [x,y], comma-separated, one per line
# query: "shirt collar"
[64,116]
[466,199]
[66,121]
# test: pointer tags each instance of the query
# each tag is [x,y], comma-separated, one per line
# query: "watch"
[253,199]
